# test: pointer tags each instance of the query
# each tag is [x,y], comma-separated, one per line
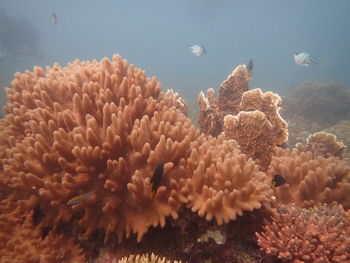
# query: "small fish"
[157,177]
[198,50]
[249,68]
[79,198]
[278,180]
[305,59]
[54,18]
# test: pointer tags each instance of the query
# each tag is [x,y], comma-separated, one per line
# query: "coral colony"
[99,164]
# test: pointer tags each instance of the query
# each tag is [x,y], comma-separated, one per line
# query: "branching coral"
[317,234]
[21,242]
[311,180]
[99,128]
[224,183]
[146,258]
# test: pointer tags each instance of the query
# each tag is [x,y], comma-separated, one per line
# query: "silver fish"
[305,59]
[198,50]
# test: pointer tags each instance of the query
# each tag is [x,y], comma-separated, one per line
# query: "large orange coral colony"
[99,128]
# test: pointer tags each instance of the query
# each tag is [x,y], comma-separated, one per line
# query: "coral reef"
[20,243]
[203,241]
[310,179]
[322,144]
[145,258]
[250,117]
[98,163]
[213,110]
[316,234]
[323,103]
[224,183]
[342,131]
[99,128]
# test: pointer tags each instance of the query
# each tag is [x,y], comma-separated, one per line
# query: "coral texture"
[323,144]
[342,131]
[225,182]
[97,128]
[311,180]
[258,130]
[269,103]
[213,110]
[146,258]
[20,242]
[317,234]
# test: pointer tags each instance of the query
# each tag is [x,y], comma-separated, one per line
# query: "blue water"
[154,36]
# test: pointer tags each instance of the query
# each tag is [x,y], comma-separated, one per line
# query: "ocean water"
[155,36]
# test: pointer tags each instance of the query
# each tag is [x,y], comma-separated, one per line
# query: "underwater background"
[154,35]
[159,131]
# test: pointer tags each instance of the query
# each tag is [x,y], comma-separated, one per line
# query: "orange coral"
[100,128]
[317,234]
[213,110]
[224,183]
[232,90]
[19,242]
[254,134]
[269,103]
[146,258]
[311,180]
[217,115]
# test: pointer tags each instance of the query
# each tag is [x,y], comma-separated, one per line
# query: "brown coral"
[269,103]
[323,144]
[216,116]
[20,242]
[342,131]
[254,133]
[146,258]
[100,128]
[224,183]
[213,110]
[317,234]
[311,180]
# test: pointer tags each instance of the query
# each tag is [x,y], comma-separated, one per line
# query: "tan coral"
[323,144]
[310,180]
[174,98]
[100,128]
[269,103]
[216,116]
[213,110]
[254,134]
[224,183]
[146,258]
[231,91]
[209,113]
[342,131]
